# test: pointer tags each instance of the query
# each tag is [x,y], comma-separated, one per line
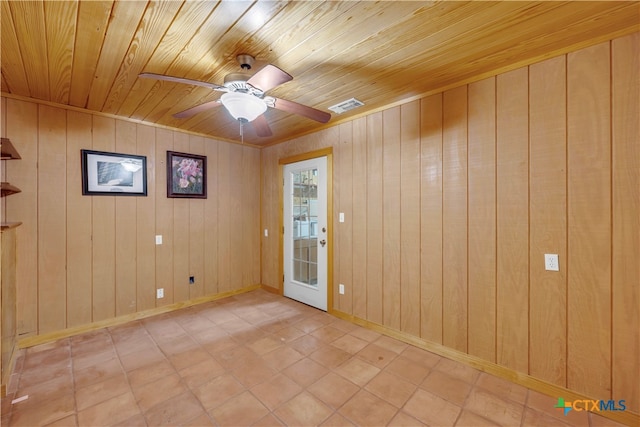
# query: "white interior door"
[305,231]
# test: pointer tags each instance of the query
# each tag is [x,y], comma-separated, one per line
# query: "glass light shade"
[242,106]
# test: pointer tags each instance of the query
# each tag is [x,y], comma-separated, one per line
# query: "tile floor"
[260,359]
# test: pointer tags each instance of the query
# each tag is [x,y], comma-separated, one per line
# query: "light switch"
[266,233]
[341,217]
[158,240]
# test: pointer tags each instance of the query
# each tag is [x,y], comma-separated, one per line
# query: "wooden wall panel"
[211,219]
[225,218]
[548,220]
[251,205]
[104,242]
[410,218]
[52,232]
[344,234]
[374,179]
[510,169]
[146,222]
[513,219]
[22,129]
[196,231]
[99,258]
[589,223]
[626,219]
[454,211]
[181,234]
[431,219]
[236,212]
[391,217]
[164,217]
[126,230]
[482,219]
[359,218]
[78,229]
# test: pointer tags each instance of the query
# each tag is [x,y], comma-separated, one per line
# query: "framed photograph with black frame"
[186,175]
[113,174]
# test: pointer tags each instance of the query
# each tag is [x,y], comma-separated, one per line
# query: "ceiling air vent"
[345,106]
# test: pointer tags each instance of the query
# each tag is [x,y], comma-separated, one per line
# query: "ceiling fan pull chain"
[241,133]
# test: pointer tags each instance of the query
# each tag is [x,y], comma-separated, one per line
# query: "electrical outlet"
[341,217]
[192,280]
[158,239]
[341,289]
[551,262]
[160,293]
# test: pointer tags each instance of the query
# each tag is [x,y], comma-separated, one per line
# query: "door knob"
[323,242]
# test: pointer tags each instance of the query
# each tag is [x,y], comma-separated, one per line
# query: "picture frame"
[186,175]
[113,174]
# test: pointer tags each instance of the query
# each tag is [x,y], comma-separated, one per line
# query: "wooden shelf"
[8,189]
[9,152]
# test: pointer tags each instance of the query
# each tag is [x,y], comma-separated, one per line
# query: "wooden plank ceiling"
[88,54]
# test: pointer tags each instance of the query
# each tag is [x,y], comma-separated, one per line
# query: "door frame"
[324,152]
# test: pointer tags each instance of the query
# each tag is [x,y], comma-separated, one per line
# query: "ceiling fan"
[245,97]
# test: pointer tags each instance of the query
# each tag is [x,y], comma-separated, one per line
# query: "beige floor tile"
[307,344]
[391,344]
[365,409]
[494,408]
[502,388]
[402,419]
[282,357]
[303,410]
[241,410]
[97,373]
[305,372]
[44,413]
[376,355]
[99,392]
[405,368]
[391,388]
[449,388]
[350,344]
[431,409]
[327,333]
[201,373]
[215,392]
[333,390]
[357,371]
[176,411]
[268,420]
[109,412]
[70,421]
[260,359]
[161,390]
[458,370]
[469,419]
[275,391]
[329,356]
[337,420]
[150,373]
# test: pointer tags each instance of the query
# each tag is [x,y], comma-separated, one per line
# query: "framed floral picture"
[186,175]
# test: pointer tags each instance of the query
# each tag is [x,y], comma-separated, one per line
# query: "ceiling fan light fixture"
[242,106]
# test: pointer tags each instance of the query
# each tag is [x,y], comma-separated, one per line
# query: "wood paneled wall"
[452,201]
[83,259]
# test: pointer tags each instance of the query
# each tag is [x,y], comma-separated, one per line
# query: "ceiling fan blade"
[180,80]
[197,109]
[303,110]
[269,77]
[261,126]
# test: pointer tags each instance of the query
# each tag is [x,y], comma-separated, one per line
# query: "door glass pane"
[305,225]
